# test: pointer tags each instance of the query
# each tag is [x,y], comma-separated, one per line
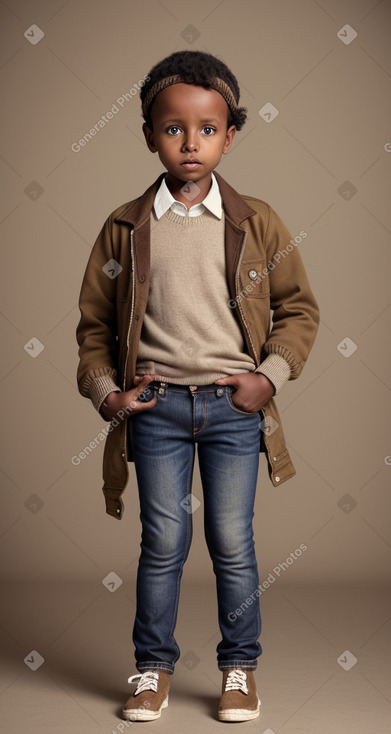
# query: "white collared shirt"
[164,200]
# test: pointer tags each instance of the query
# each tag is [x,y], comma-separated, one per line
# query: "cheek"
[168,144]
[216,144]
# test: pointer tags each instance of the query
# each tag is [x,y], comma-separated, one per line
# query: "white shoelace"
[146,681]
[236,681]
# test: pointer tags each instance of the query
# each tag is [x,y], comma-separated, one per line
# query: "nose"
[190,141]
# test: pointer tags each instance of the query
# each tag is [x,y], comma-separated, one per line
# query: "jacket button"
[277,479]
[274,458]
[252,274]
[142,278]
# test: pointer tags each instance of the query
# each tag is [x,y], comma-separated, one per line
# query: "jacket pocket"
[254,279]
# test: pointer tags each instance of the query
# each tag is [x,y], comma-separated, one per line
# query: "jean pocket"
[234,407]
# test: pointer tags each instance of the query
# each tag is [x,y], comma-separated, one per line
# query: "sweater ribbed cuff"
[100,388]
[276,369]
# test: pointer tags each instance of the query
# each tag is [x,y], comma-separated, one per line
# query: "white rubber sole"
[239,714]
[143,714]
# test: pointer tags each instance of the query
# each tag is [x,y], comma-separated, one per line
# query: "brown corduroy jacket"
[264,273]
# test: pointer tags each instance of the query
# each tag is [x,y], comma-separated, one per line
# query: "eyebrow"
[207,119]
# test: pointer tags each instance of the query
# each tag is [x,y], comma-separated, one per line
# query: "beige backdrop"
[323,162]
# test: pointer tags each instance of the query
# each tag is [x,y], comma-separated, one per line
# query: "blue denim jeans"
[164,439]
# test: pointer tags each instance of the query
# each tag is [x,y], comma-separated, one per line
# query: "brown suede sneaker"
[150,696]
[239,700]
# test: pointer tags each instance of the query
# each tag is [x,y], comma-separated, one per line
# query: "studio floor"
[67,654]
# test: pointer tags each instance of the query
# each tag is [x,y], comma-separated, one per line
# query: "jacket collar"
[138,211]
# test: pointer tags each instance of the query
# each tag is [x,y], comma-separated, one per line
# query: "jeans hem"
[154,665]
[244,664]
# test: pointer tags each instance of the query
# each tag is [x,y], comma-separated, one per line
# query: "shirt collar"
[164,200]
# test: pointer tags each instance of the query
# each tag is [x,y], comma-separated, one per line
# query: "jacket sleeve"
[276,369]
[295,310]
[96,332]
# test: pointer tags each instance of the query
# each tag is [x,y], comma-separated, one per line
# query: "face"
[189,132]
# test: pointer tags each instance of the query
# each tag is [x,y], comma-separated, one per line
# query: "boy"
[176,349]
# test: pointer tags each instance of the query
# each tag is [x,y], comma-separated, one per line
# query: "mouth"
[191,164]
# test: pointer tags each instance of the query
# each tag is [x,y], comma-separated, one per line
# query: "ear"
[149,138]
[229,138]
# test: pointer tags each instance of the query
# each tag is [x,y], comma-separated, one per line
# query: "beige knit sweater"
[189,334]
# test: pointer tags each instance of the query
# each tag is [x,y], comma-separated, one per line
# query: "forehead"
[187,101]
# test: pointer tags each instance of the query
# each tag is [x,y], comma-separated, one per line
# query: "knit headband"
[217,84]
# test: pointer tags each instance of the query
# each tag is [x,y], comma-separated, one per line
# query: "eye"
[209,130]
[173,130]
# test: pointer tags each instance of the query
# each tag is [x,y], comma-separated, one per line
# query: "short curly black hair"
[199,68]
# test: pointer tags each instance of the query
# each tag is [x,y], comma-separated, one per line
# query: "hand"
[124,404]
[253,390]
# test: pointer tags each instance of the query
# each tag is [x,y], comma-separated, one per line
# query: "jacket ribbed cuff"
[276,369]
[100,388]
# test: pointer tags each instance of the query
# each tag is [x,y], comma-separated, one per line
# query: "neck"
[177,189]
